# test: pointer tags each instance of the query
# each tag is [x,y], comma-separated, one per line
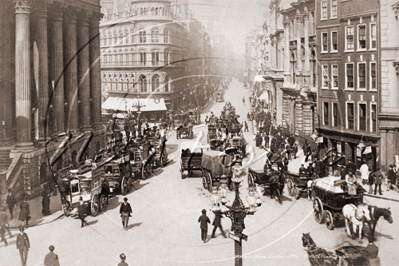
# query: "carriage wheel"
[318,211]
[204,182]
[297,192]
[290,186]
[251,182]
[329,220]
[124,187]
[95,205]
[210,181]
[103,202]
[66,209]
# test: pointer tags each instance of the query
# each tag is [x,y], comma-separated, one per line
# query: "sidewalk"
[35,206]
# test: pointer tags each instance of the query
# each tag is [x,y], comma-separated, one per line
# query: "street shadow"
[170,162]
[134,225]
[92,222]
[172,148]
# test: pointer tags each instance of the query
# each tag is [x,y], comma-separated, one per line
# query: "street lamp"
[138,105]
[236,212]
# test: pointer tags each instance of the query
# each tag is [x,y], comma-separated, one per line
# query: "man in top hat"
[204,220]
[51,259]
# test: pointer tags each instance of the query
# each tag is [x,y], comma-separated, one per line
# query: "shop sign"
[367,150]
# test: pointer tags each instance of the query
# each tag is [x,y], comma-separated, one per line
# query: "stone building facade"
[50,84]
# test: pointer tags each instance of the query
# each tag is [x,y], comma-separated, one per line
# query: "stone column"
[298,23]
[23,112]
[384,144]
[39,38]
[307,118]
[56,65]
[391,141]
[274,53]
[306,65]
[84,70]
[7,85]
[71,68]
[95,69]
[287,78]
[299,114]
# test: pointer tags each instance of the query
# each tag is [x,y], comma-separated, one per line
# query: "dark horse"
[375,214]
[318,256]
[277,181]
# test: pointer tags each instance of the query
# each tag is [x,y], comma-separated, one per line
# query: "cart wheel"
[318,211]
[204,182]
[95,205]
[66,209]
[103,203]
[124,187]
[297,192]
[251,182]
[329,220]
[290,186]
[210,181]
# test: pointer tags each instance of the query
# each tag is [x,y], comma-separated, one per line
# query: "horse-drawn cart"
[216,166]
[184,131]
[191,158]
[329,200]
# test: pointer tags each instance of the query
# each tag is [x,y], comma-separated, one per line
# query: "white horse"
[356,216]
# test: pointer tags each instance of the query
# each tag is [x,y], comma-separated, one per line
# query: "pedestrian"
[370,182]
[217,223]
[23,245]
[364,170]
[246,126]
[105,188]
[294,150]
[46,200]
[24,212]
[204,220]
[125,211]
[51,259]
[350,166]
[377,181]
[11,201]
[4,226]
[82,212]
[391,177]
[123,258]
[307,150]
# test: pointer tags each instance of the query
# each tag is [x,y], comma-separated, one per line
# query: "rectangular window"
[334,76]
[349,38]
[373,75]
[362,75]
[334,41]
[373,117]
[325,76]
[350,115]
[349,76]
[324,9]
[333,8]
[362,116]
[361,37]
[335,115]
[373,36]
[324,42]
[325,113]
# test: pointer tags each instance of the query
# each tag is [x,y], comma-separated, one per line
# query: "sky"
[233,18]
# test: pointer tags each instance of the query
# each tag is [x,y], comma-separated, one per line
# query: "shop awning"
[126,104]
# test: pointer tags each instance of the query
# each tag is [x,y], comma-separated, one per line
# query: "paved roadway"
[164,228]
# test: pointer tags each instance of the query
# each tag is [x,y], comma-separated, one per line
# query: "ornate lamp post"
[237,213]
[138,106]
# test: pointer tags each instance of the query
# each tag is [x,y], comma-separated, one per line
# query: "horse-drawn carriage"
[216,167]
[186,131]
[330,201]
[191,158]
[240,144]
[194,116]
[161,153]
[141,158]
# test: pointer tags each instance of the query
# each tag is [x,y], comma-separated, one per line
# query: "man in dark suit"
[23,245]
[217,222]
[105,188]
[204,220]
[307,150]
[125,211]
[11,201]
[82,212]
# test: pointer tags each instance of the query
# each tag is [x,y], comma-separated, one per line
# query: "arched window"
[314,68]
[156,11]
[155,35]
[143,83]
[143,36]
[155,83]
[143,58]
[166,84]
[166,57]
[166,36]
[293,68]
[155,58]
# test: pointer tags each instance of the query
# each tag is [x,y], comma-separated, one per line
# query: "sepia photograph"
[199,132]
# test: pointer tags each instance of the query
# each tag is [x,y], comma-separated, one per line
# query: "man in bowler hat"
[204,220]
[23,245]
[125,211]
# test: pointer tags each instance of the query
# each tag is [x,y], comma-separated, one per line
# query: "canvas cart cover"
[330,183]
[217,162]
